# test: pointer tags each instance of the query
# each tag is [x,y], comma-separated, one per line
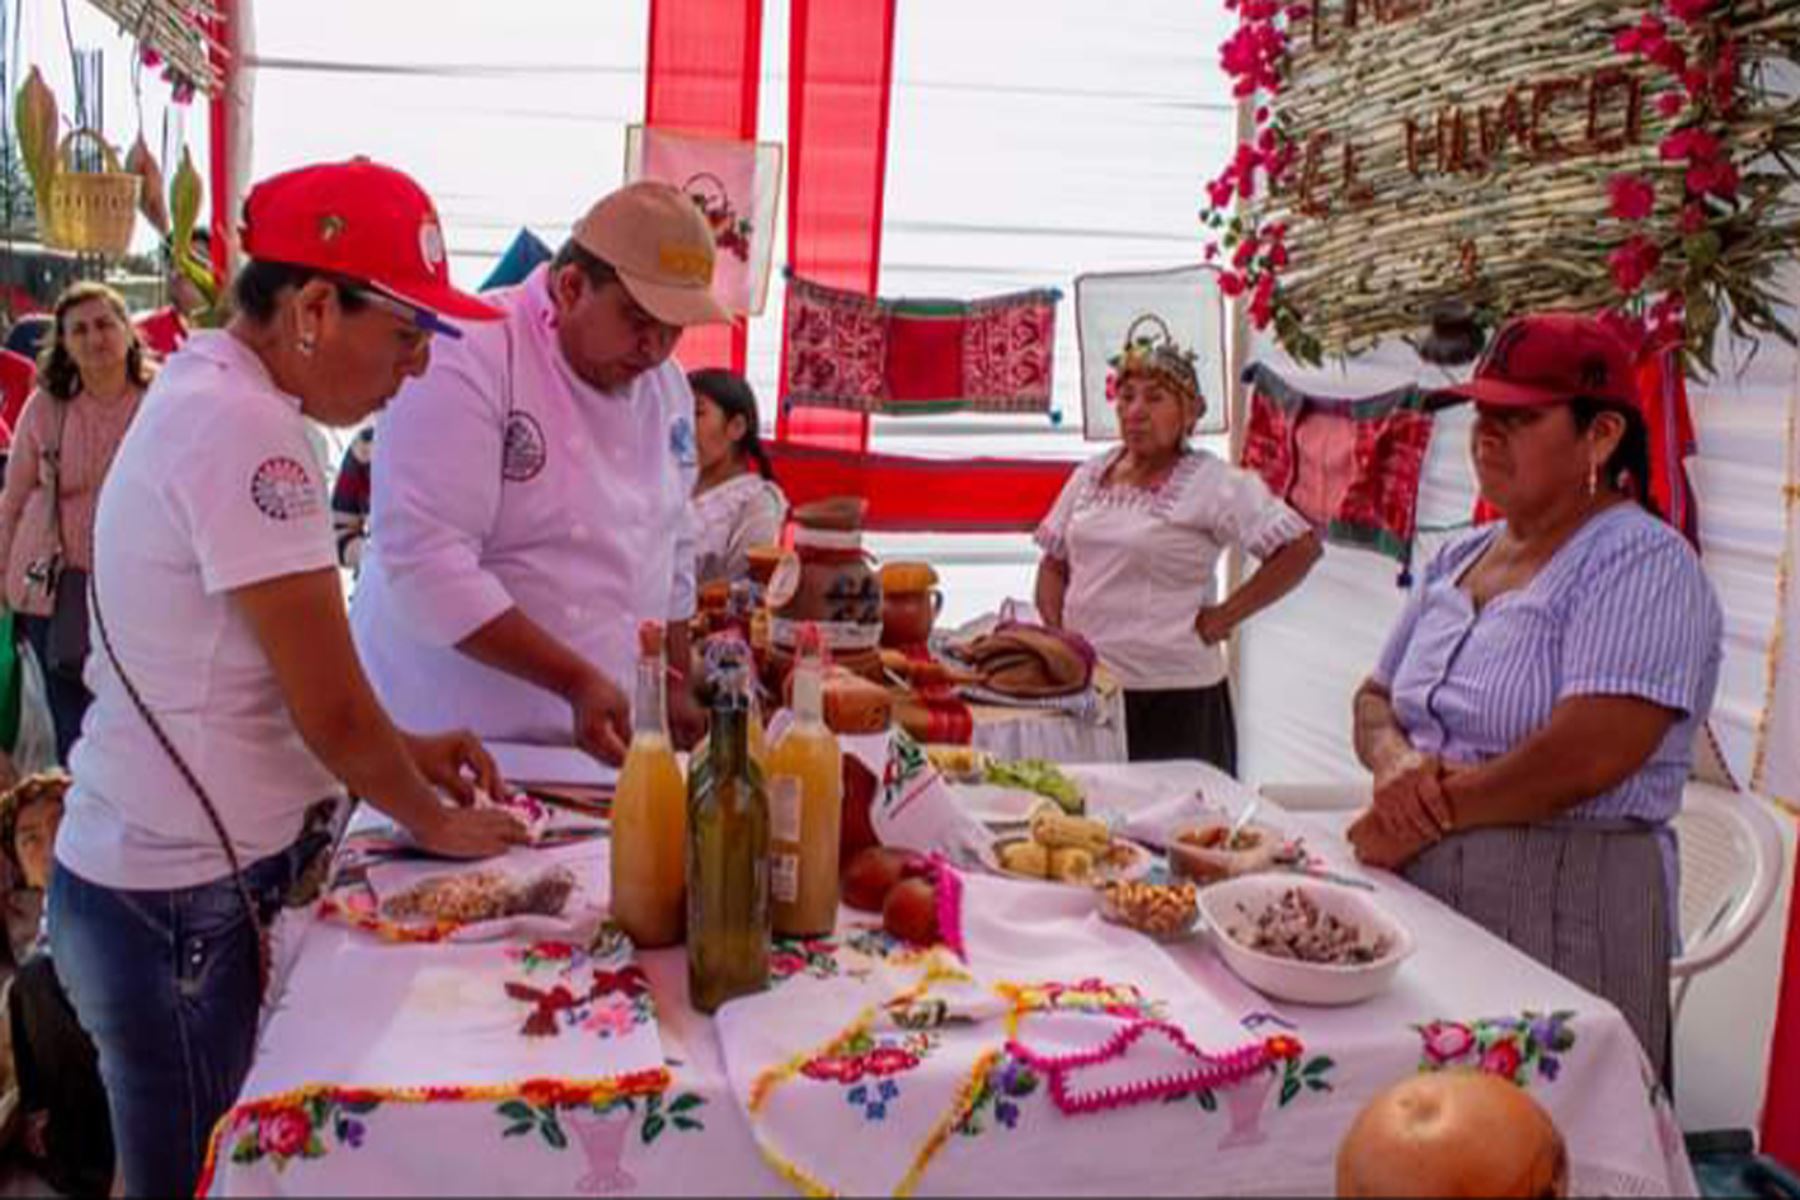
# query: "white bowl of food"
[1304,940]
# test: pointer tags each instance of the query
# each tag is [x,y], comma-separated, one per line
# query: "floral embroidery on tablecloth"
[868,1066]
[793,958]
[602,1001]
[1095,996]
[1290,1075]
[600,1129]
[1008,1082]
[302,1129]
[540,956]
[1523,1049]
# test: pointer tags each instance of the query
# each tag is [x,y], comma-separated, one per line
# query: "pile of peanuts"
[1158,909]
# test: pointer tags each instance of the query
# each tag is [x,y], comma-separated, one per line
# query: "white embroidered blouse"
[1143,562]
[744,511]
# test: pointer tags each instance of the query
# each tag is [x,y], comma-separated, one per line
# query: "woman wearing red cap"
[1530,724]
[228,698]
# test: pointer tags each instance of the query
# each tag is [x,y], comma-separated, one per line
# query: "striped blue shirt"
[1622,609]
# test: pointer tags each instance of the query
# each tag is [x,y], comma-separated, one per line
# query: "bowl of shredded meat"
[1304,940]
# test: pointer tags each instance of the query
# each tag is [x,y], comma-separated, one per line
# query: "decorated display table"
[1059,1054]
[1088,737]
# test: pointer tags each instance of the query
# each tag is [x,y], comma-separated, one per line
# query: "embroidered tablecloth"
[1002,1113]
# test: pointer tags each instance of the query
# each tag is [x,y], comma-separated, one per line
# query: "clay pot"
[907,617]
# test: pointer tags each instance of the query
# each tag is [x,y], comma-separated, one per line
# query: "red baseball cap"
[365,221]
[1542,359]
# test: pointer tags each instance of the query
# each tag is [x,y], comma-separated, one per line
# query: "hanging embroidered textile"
[911,357]
[1349,465]
[1181,305]
[737,184]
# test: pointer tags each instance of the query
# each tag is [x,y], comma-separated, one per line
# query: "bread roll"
[854,705]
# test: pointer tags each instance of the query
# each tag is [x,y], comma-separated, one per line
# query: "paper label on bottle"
[784,808]
[784,878]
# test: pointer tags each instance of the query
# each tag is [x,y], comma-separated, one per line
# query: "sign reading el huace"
[1427,150]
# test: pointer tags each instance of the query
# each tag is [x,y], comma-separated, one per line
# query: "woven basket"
[92,212]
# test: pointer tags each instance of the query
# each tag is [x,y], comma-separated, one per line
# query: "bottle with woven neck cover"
[649,821]
[805,772]
[727,845]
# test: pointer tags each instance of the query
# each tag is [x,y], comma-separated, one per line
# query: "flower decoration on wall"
[1552,153]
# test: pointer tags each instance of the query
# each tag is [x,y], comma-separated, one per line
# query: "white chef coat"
[501,479]
[1143,562]
[215,488]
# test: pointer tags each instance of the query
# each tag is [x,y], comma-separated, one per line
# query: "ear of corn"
[1058,830]
[184,206]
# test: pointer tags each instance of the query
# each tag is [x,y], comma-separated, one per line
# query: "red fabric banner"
[221,138]
[840,70]
[1781,1103]
[705,66]
[924,495]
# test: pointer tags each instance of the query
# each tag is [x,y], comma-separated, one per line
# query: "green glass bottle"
[728,845]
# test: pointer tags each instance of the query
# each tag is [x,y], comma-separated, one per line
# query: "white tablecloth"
[1463,996]
[1014,733]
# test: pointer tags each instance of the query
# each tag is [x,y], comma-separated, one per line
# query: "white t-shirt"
[744,511]
[1143,562]
[215,488]
[501,479]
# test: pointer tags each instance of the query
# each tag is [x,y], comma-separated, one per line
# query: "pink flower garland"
[1253,58]
[1706,75]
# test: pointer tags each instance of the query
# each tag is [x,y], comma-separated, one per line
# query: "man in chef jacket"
[531,494]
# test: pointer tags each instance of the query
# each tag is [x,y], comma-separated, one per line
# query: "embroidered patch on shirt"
[283,490]
[681,442]
[523,454]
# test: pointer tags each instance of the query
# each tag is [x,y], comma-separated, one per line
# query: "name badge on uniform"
[681,442]
[523,450]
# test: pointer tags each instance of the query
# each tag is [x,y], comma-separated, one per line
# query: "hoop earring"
[306,345]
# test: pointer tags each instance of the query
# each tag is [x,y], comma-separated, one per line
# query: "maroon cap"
[1542,359]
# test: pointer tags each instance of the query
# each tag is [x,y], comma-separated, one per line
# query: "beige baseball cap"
[659,241]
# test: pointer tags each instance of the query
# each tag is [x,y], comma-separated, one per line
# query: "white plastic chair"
[1731,857]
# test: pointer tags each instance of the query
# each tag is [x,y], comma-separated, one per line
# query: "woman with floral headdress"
[1131,552]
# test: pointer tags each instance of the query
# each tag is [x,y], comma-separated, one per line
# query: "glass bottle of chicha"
[728,846]
[649,818]
[805,772]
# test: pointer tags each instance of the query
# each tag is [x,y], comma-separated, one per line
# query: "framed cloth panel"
[845,350]
[737,184]
[1184,302]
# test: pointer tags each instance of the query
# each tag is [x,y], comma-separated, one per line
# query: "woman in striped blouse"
[1530,722]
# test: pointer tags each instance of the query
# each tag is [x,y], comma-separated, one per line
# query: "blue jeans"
[167,984]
